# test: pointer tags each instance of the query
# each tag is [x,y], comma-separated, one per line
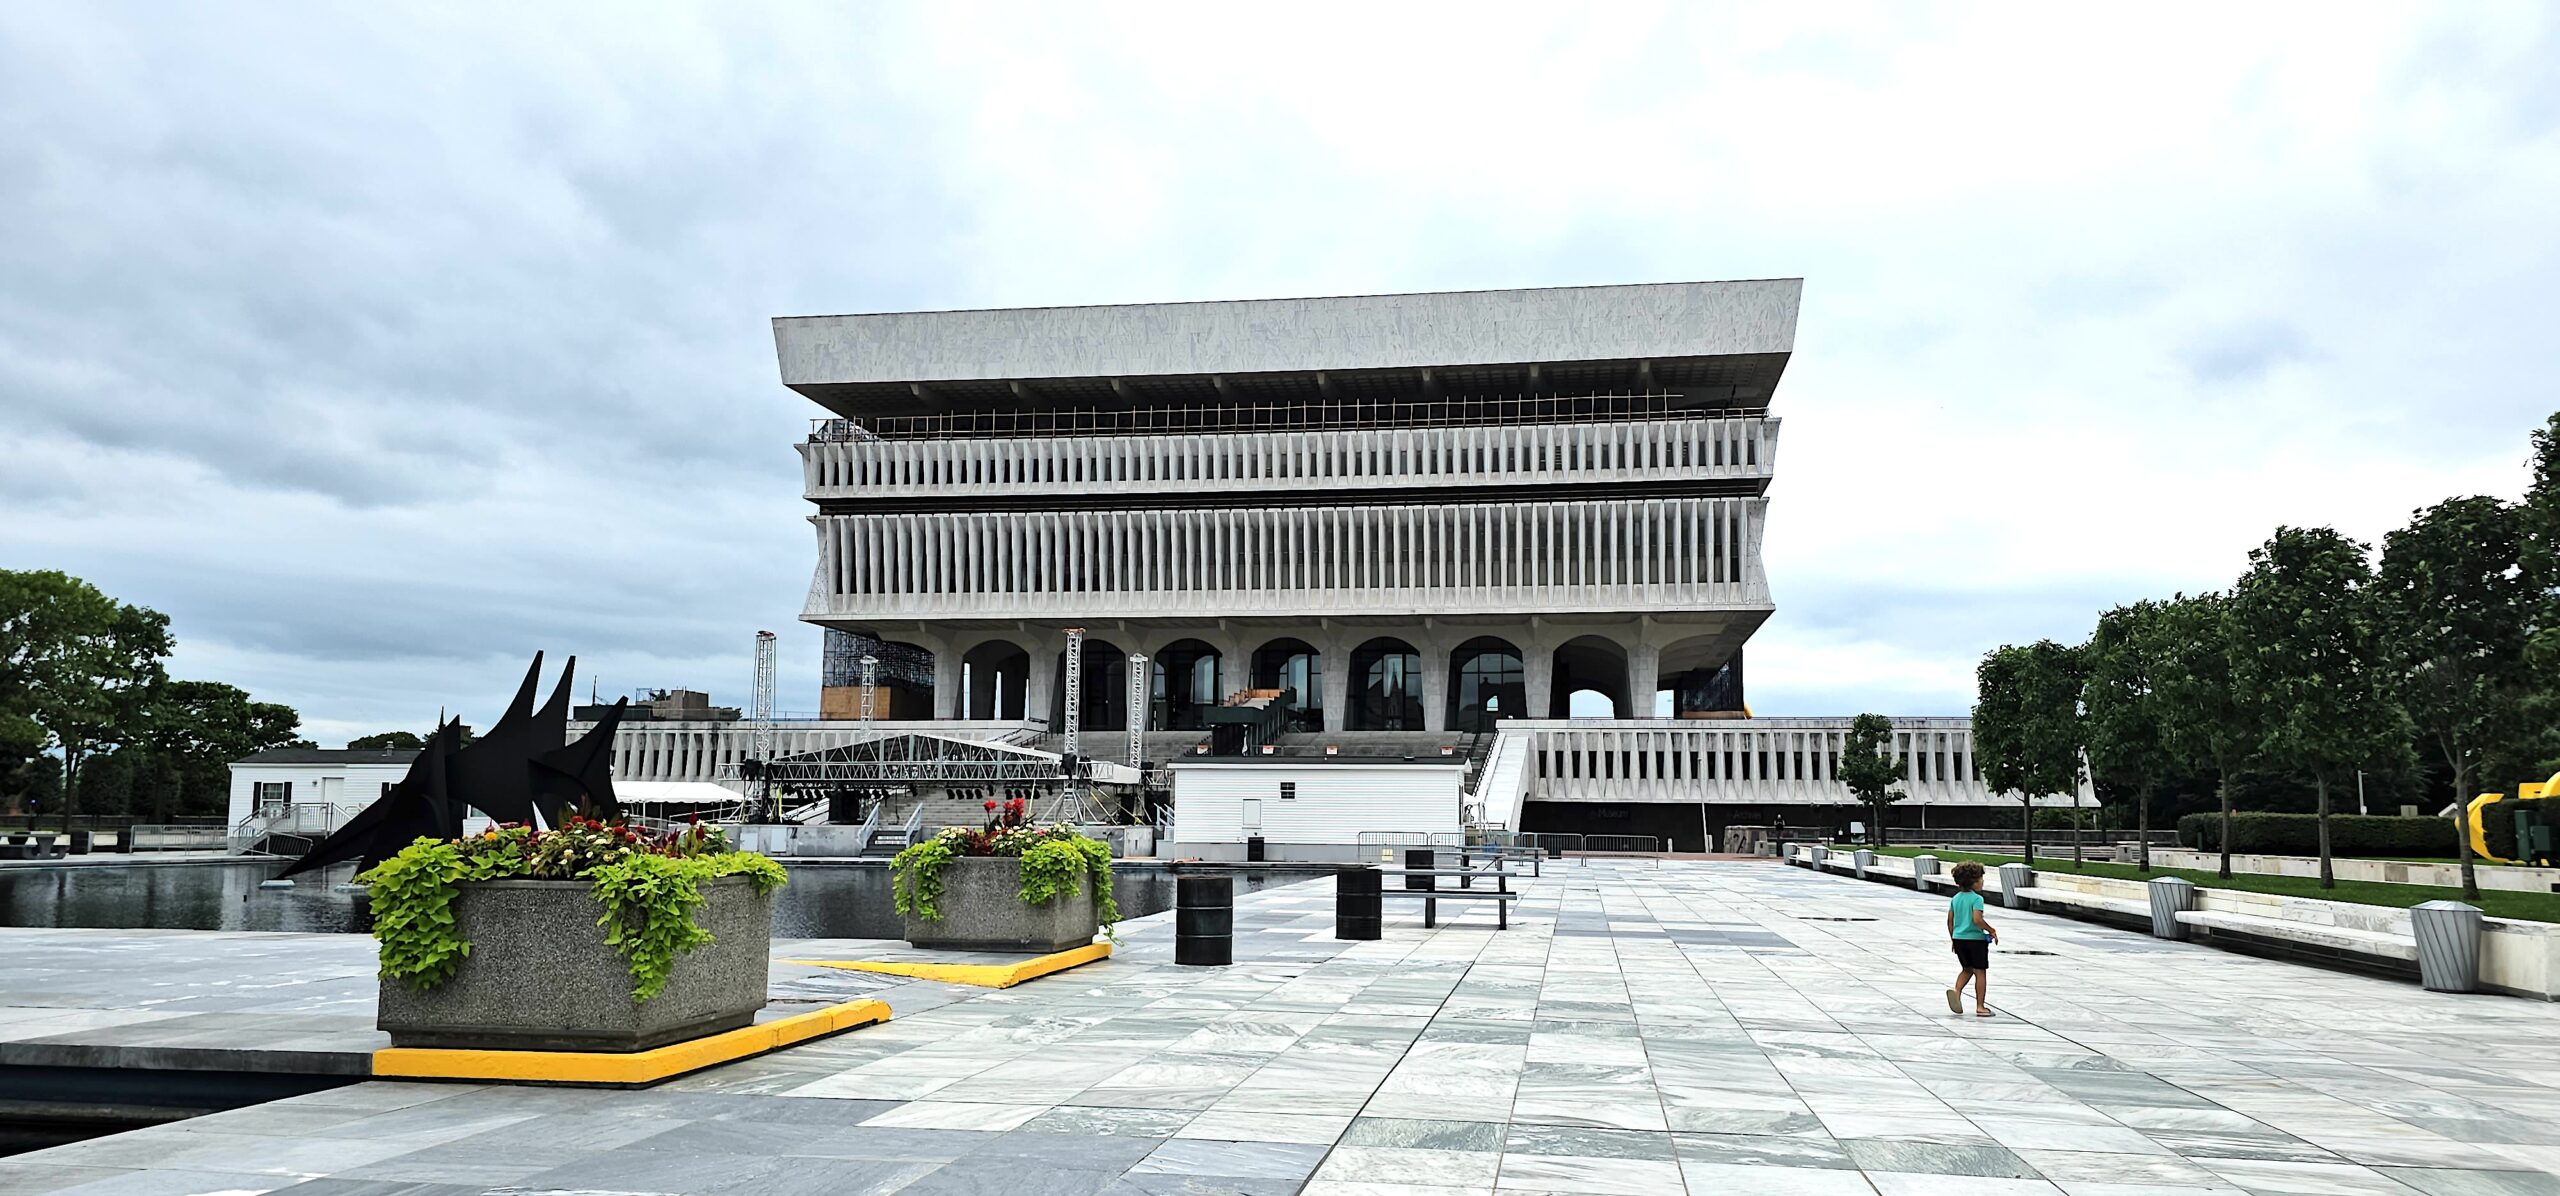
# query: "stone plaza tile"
[953,1115]
[2306,1179]
[1877,1155]
[2454,1182]
[1568,1173]
[1239,1125]
[1762,1150]
[1908,1184]
[1712,1179]
[1704,1024]
[1107,1121]
[1232,1160]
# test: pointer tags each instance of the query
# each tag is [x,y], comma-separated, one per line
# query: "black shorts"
[1974,953]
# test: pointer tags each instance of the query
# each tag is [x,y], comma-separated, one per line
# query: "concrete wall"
[1551,324]
[1765,761]
[2449,875]
[1334,803]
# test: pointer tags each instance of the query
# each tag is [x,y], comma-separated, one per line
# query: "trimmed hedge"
[2299,834]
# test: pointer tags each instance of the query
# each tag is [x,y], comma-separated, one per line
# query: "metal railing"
[862,835]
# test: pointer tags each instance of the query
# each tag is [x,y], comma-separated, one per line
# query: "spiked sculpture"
[515,773]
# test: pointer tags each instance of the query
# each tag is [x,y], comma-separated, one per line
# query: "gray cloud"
[381,346]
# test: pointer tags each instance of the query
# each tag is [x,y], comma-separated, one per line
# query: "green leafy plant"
[917,887]
[1056,862]
[649,890]
[649,901]
[1058,868]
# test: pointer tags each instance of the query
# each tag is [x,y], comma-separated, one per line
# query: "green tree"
[2205,723]
[2309,652]
[2128,742]
[2026,725]
[387,741]
[2457,612]
[193,730]
[1868,768]
[77,664]
[2532,751]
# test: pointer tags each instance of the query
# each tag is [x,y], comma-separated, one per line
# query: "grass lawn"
[2497,903]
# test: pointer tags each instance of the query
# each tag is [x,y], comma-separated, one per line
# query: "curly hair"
[1967,874]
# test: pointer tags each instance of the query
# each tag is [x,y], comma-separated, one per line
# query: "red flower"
[991,805]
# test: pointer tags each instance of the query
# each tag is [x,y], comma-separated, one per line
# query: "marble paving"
[1698,1027]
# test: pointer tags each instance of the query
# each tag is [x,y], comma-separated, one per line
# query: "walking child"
[1973,937]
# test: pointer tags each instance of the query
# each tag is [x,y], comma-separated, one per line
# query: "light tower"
[761,728]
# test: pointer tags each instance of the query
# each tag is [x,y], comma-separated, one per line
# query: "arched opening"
[1295,665]
[995,677]
[1106,689]
[1184,685]
[1594,666]
[1488,682]
[1388,687]
[1591,703]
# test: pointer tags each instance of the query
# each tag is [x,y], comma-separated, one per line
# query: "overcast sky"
[381,346]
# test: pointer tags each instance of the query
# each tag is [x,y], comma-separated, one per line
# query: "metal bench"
[1431,895]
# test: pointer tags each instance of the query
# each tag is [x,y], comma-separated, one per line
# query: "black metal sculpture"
[515,773]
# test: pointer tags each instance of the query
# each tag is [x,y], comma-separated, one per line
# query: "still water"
[822,900]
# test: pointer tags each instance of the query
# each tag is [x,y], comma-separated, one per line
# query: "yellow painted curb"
[637,1067]
[983,975]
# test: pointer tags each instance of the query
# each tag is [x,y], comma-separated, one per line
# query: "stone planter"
[983,910]
[540,976]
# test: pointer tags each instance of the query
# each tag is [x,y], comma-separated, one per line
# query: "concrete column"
[1538,674]
[946,680]
[1337,683]
[1040,684]
[1435,686]
[1644,676]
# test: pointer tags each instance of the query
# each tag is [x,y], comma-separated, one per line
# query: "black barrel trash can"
[78,843]
[1359,911]
[1421,859]
[1204,920]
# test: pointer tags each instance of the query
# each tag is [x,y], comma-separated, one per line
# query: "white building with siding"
[1309,808]
[309,790]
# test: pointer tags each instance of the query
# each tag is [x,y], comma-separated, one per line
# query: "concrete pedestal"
[540,976]
[983,910]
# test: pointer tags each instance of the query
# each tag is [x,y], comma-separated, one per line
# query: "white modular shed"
[1309,808]
[310,790]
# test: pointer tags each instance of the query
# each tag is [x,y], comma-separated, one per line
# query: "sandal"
[1984,1012]
[1955,1004]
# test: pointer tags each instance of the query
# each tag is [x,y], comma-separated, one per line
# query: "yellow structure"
[625,1070]
[982,975]
[2474,815]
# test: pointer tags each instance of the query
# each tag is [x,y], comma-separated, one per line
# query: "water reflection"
[181,897]
[822,900]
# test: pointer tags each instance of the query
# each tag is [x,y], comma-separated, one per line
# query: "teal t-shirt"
[1965,906]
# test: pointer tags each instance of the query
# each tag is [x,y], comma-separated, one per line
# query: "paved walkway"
[1706,1027]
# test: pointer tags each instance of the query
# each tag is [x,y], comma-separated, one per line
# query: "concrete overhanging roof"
[1733,335]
